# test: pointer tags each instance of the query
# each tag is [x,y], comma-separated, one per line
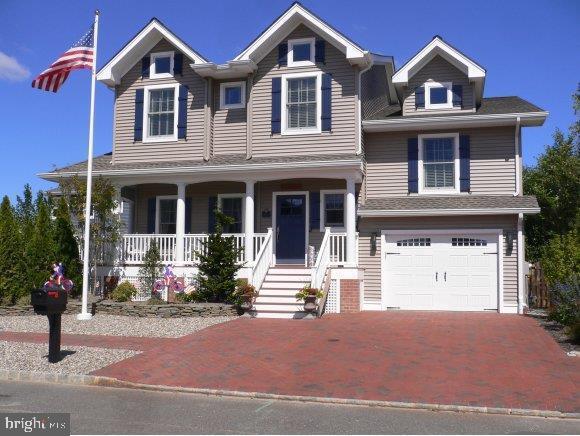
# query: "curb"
[91,380]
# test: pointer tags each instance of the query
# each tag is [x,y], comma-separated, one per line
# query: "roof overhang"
[229,70]
[446,212]
[287,22]
[527,119]
[138,47]
[438,47]
[261,171]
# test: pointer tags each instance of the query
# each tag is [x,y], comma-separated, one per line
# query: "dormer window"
[161,65]
[438,95]
[301,52]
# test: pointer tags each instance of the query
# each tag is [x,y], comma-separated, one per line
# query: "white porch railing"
[195,243]
[322,261]
[338,249]
[135,247]
[263,260]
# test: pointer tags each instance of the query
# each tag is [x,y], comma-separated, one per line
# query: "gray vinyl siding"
[492,161]
[125,150]
[437,70]
[342,139]
[229,125]
[374,91]
[370,261]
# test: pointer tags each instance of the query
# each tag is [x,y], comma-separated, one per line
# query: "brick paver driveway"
[477,359]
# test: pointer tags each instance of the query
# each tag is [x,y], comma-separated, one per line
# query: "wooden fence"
[537,288]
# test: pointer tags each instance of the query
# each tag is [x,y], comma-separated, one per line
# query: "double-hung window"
[301,104]
[166,215]
[332,209]
[232,205]
[160,113]
[439,163]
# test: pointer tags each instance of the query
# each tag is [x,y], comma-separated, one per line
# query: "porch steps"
[276,298]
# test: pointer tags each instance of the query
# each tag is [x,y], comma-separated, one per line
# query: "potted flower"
[247,293]
[309,295]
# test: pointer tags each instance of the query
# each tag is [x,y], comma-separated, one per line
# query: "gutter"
[444,212]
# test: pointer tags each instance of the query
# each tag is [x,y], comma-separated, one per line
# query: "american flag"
[79,56]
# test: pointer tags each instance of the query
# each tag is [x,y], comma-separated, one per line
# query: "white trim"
[162,54]
[138,47]
[445,212]
[497,232]
[158,210]
[164,138]
[371,305]
[322,215]
[241,196]
[287,22]
[439,191]
[517,161]
[306,226]
[520,269]
[301,41]
[242,102]
[446,85]
[454,121]
[284,113]
[510,309]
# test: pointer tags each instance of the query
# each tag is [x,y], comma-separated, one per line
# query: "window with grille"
[167,215]
[232,207]
[414,242]
[468,242]
[301,103]
[334,210]
[161,112]
[438,163]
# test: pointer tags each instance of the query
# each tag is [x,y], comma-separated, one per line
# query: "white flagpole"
[84,315]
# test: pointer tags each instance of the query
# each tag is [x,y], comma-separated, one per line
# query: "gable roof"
[297,14]
[438,47]
[138,47]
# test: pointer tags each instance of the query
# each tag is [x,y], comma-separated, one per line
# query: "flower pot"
[246,305]
[310,303]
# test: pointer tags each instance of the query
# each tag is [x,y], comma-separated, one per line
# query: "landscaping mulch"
[555,329]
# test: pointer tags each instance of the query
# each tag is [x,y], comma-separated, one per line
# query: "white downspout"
[518,161]
[521,260]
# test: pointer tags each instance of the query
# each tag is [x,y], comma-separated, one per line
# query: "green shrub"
[565,302]
[561,258]
[575,333]
[125,291]
[155,300]
[23,300]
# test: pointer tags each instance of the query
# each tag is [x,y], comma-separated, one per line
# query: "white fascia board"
[230,70]
[295,15]
[353,164]
[454,121]
[438,46]
[133,51]
[445,212]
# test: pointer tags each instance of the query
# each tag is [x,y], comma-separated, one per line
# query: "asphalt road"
[125,411]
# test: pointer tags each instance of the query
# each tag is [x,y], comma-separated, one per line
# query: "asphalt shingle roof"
[489,106]
[449,202]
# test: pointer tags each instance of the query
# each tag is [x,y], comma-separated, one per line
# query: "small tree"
[66,247]
[11,260]
[151,269]
[218,264]
[41,250]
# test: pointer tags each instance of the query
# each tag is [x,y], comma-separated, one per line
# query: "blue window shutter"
[413,164]
[320,51]
[138,127]
[188,215]
[314,210]
[276,104]
[326,116]
[151,214]
[464,163]
[182,118]
[178,64]
[283,54]
[457,95]
[145,63]
[212,206]
[420,97]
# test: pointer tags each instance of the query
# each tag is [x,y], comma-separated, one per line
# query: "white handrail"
[263,261]
[322,261]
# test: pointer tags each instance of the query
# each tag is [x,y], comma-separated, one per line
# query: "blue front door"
[290,227]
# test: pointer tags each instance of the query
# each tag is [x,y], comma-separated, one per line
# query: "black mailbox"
[51,301]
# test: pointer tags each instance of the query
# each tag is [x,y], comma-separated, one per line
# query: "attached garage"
[441,269]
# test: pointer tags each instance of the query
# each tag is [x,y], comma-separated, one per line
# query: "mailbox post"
[51,301]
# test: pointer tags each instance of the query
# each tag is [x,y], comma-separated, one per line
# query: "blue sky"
[529,48]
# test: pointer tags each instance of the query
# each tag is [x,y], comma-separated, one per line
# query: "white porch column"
[249,221]
[180,223]
[118,250]
[350,223]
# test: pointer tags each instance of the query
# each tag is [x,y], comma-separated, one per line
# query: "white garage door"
[440,271]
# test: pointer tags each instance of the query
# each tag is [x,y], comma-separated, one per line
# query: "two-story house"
[396,190]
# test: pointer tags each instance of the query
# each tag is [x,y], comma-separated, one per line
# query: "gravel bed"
[555,329]
[75,359]
[114,325]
